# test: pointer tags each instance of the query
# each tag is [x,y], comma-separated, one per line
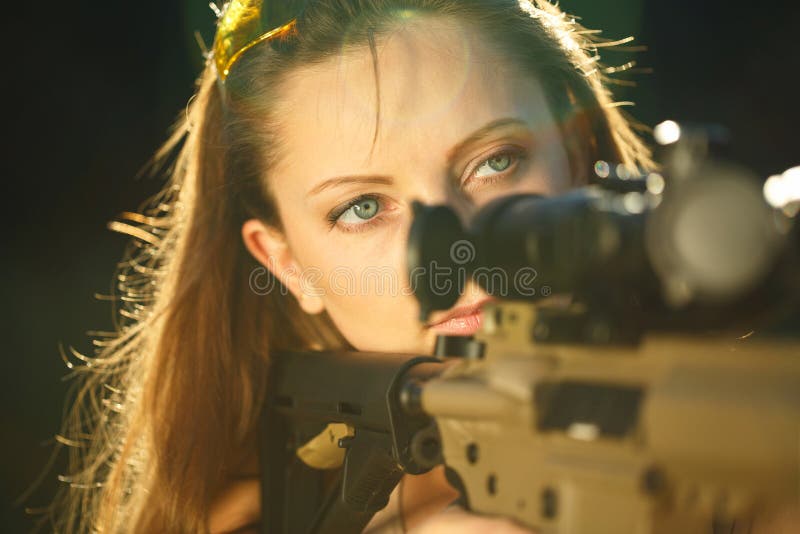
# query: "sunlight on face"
[457,126]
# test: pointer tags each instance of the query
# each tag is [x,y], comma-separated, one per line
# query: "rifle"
[642,405]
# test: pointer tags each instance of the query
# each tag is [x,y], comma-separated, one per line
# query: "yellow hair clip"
[243,24]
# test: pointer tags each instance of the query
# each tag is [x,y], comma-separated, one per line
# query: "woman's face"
[457,126]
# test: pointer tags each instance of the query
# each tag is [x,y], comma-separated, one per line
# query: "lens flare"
[667,132]
[781,190]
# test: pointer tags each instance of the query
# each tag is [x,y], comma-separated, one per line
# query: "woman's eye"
[357,214]
[497,163]
[363,210]
[497,167]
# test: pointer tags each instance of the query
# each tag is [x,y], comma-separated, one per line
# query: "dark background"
[92,88]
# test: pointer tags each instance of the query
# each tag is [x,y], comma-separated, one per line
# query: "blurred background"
[92,88]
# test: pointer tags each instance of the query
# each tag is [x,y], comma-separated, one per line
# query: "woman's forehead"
[437,83]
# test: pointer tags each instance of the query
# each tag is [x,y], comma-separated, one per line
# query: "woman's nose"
[447,195]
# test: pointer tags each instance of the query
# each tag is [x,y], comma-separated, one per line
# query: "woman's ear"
[269,247]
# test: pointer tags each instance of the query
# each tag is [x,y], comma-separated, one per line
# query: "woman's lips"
[462,321]
[464,325]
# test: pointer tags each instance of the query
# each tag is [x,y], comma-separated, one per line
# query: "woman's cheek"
[542,179]
[375,258]
[366,288]
[370,322]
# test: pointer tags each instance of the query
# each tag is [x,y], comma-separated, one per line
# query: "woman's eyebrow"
[452,154]
[344,180]
[479,134]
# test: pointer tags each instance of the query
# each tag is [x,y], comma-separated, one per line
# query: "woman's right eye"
[364,209]
[356,213]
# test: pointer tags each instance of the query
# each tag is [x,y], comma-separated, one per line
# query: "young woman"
[313,128]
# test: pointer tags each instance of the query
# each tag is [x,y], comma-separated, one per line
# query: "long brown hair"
[170,402]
